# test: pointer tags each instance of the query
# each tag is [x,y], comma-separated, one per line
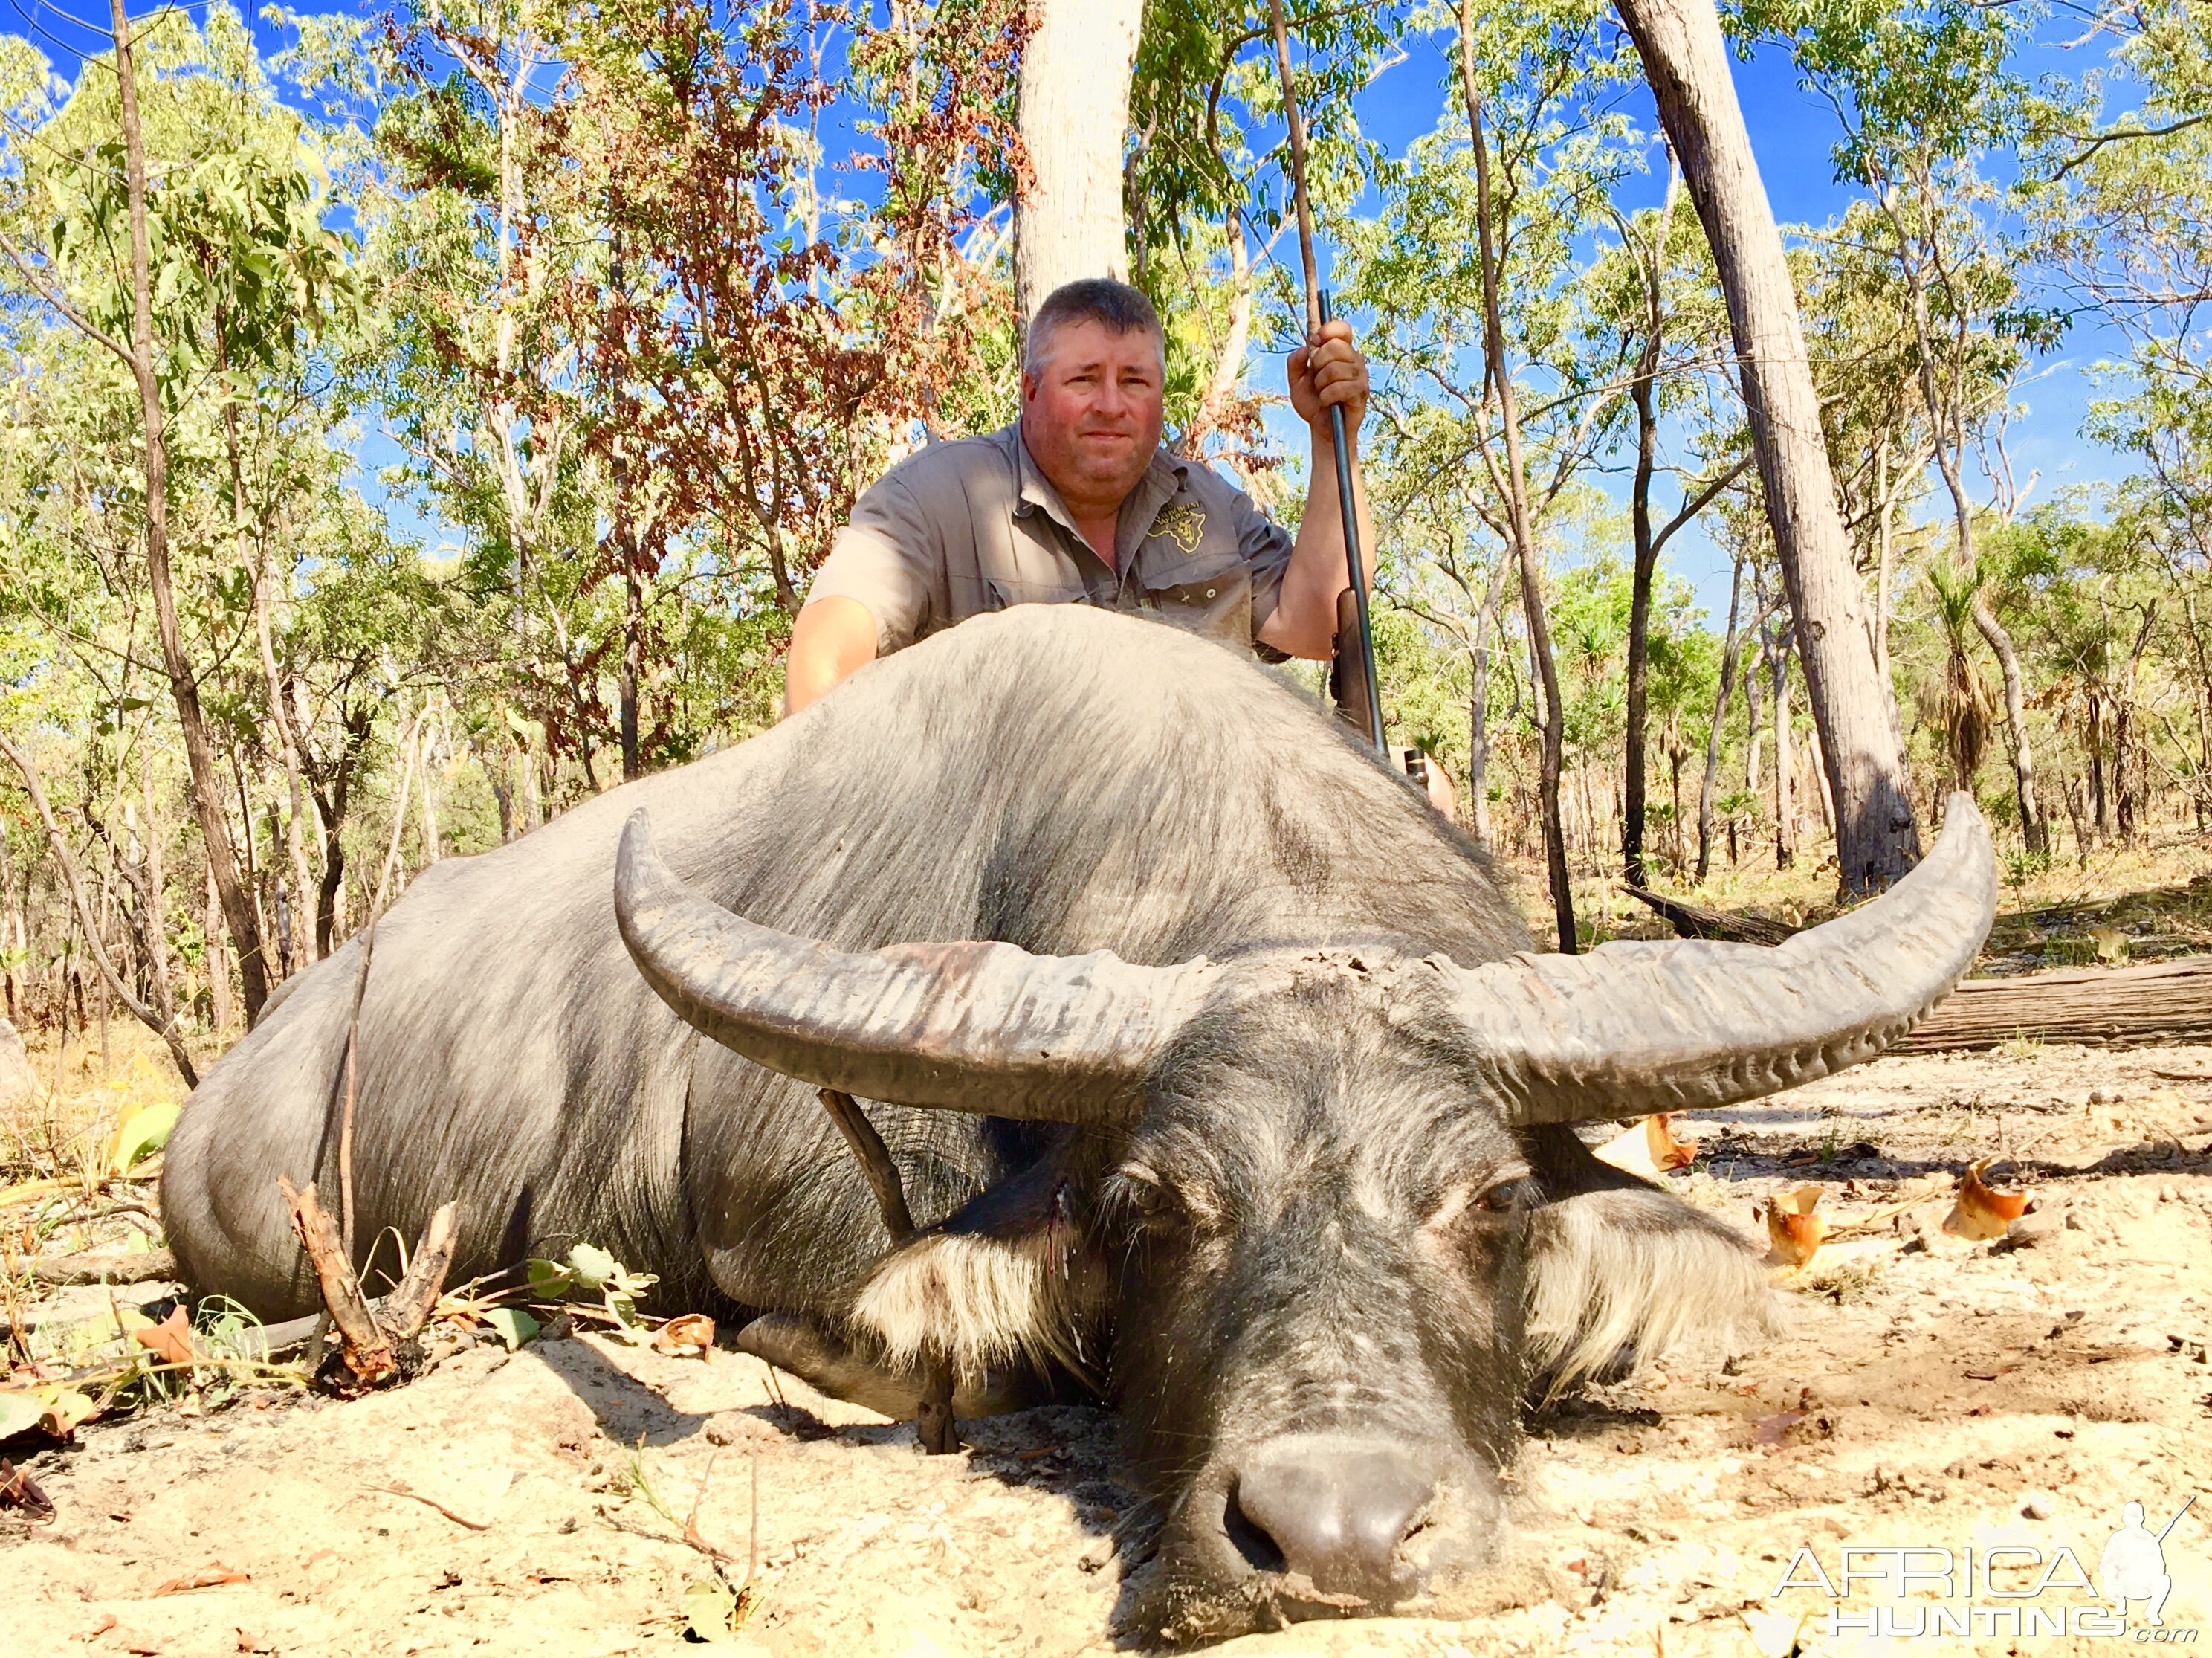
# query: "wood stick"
[145,1266]
[367,1353]
[933,1425]
[407,1308]
[876,1162]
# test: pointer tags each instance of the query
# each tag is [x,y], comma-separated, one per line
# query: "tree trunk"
[1731,656]
[2100,800]
[1687,63]
[95,942]
[331,806]
[2034,829]
[199,756]
[1074,116]
[1517,500]
[295,845]
[1785,801]
[221,1014]
[1645,395]
[1478,700]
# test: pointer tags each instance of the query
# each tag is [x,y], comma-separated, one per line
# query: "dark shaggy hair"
[1121,308]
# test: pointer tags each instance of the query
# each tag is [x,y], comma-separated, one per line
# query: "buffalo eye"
[1513,1189]
[1143,1193]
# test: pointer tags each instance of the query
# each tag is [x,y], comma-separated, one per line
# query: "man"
[1077,502]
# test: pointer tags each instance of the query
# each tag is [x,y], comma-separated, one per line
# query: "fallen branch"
[396,1488]
[2160,1003]
[934,1425]
[407,1308]
[60,1272]
[1695,920]
[366,1350]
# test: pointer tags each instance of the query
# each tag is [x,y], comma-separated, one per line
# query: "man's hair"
[1120,308]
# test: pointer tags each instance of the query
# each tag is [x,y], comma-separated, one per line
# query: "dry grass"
[2148,902]
[56,1193]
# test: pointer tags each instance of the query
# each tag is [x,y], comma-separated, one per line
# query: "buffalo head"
[1310,1222]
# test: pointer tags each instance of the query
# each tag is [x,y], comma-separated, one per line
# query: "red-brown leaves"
[171,1340]
[19,1491]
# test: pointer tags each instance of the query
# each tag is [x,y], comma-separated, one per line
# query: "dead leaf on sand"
[1649,1147]
[171,1340]
[1792,1228]
[1981,1212]
[19,1491]
[207,1577]
[693,1333]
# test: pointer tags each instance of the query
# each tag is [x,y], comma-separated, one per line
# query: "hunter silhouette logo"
[2133,1565]
[1998,1588]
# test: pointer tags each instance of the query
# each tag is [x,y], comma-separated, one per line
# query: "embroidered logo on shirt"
[1182,522]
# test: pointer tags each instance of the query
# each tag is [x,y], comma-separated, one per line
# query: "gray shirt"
[973,525]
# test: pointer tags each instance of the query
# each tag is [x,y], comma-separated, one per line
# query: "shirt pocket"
[1021,570]
[1214,597]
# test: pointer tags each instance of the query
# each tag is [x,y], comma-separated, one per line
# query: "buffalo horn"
[1637,1027]
[967,1026]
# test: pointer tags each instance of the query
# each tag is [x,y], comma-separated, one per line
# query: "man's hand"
[1329,371]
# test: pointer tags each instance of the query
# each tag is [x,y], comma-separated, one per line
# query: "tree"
[1915,137]
[1657,288]
[1069,218]
[1687,63]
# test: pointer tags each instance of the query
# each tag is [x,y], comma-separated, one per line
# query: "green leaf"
[513,1325]
[709,1608]
[143,1133]
[18,1413]
[592,1266]
[549,1280]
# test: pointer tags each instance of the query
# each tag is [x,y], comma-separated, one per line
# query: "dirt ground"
[1927,1391]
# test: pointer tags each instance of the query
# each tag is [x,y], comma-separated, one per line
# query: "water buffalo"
[1226,1082]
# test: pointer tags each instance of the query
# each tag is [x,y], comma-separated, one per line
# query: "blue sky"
[1792,131]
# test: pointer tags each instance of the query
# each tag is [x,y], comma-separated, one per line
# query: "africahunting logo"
[1999,1589]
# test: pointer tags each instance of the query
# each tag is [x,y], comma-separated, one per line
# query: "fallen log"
[1695,920]
[2139,1007]
[117,1266]
[2158,1002]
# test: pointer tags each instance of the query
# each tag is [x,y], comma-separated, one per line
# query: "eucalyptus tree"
[2125,215]
[1924,94]
[1493,394]
[1685,60]
[1655,290]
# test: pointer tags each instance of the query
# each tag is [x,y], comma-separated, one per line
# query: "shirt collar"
[1163,477]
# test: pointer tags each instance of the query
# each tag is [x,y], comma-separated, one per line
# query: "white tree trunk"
[1686,62]
[1070,222]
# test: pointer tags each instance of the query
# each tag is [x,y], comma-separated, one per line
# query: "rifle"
[1352,676]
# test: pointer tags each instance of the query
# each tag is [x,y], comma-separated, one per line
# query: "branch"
[1697,502]
[2120,134]
[70,314]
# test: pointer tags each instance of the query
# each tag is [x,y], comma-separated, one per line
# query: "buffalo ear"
[1013,1275]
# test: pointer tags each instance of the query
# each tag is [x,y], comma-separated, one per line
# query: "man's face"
[1091,411]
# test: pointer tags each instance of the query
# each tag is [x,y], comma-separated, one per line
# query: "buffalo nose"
[1335,1512]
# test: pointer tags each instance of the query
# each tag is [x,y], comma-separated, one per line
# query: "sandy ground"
[1927,1393]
